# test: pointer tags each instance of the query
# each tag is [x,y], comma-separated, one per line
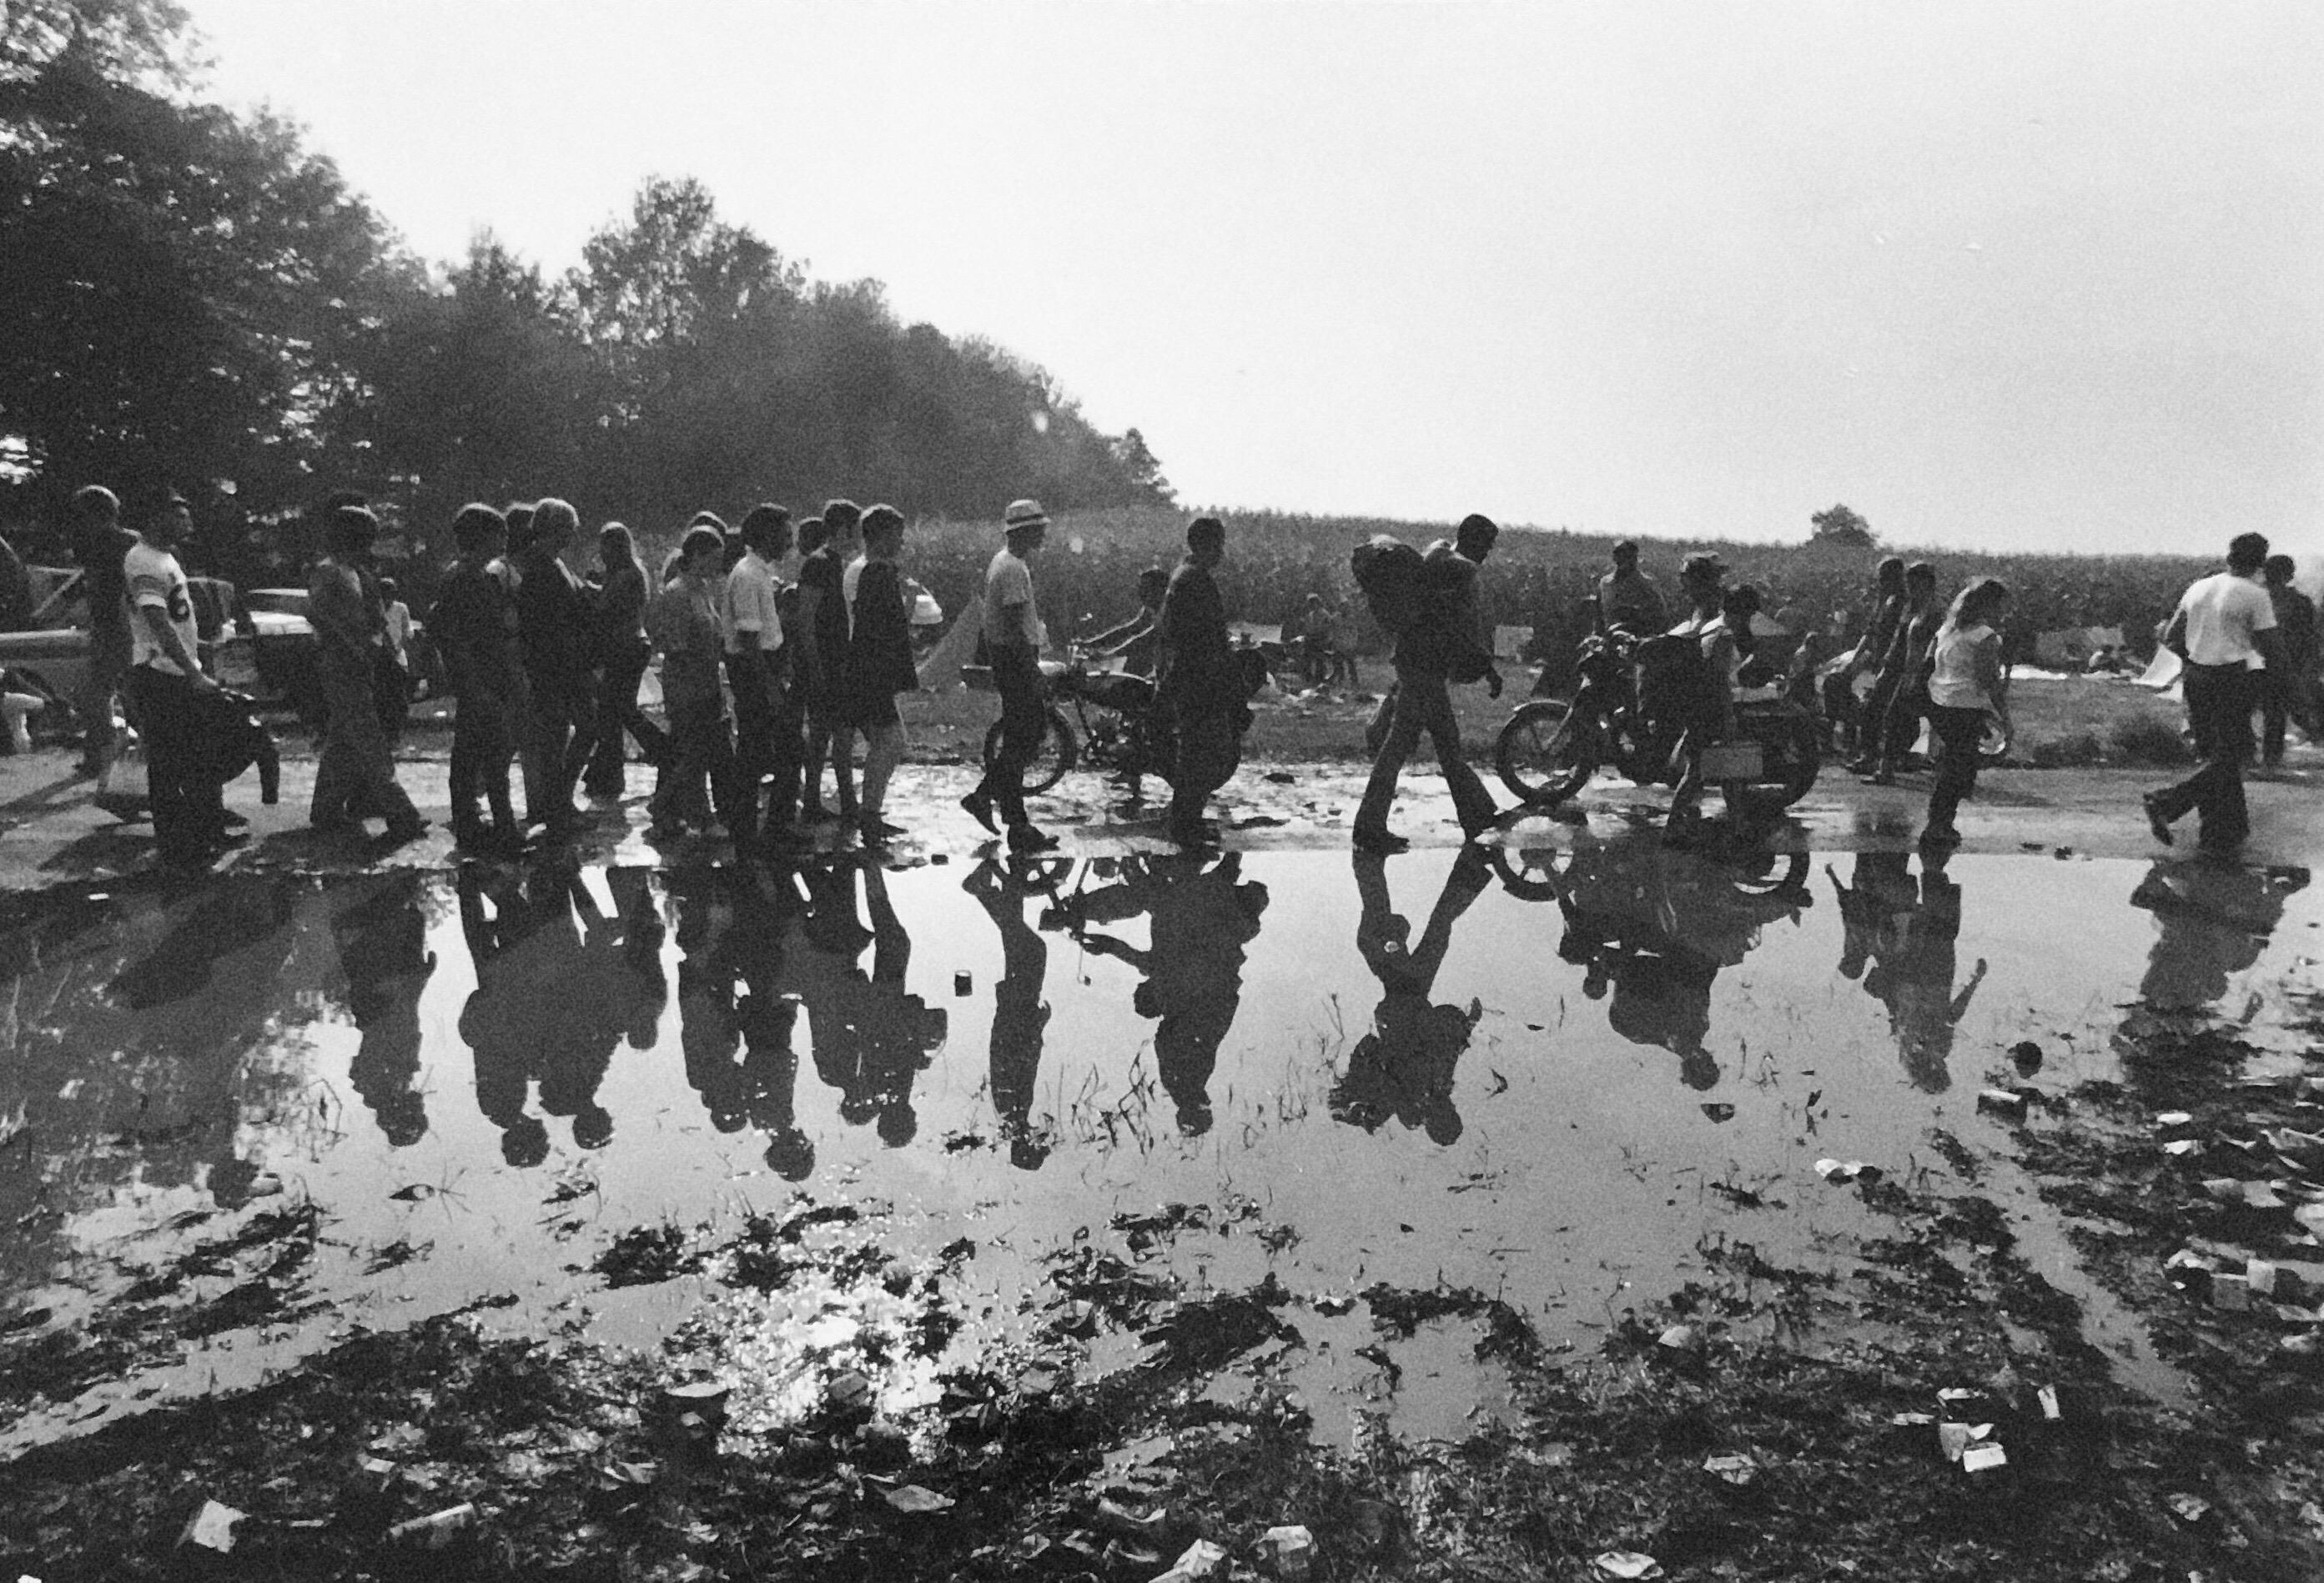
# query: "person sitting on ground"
[1136,641]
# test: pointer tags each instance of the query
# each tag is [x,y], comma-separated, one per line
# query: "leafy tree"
[1142,468]
[1843,528]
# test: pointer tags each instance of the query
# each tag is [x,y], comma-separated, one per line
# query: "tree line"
[197,301]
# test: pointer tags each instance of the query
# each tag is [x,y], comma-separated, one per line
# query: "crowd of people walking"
[767,680]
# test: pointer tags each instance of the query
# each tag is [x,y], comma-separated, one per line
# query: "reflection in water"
[380,930]
[1404,1066]
[1020,1015]
[871,1037]
[2212,919]
[554,996]
[1204,915]
[1654,925]
[735,1021]
[1908,938]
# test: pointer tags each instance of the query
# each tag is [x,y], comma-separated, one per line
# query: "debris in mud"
[2008,1102]
[1289,1550]
[1845,1171]
[212,1527]
[1623,1565]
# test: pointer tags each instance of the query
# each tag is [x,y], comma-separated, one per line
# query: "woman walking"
[625,651]
[1965,686]
[878,663]
[698,766]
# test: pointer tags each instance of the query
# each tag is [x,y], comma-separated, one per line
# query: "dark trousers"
[484,744]
[618,712]
[1205,753]
[1958,733]
[555,743]
[2218,708]
[699,764]
[189,806]
[1423,703]
[1024,716]
[2284,696]
[1901,726]
[829,735]
[766,727]
[355,778]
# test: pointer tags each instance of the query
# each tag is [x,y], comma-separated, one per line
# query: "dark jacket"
[879,652]
[1197,672]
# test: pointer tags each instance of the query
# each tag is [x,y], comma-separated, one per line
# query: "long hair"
[617,546]
[1973,604]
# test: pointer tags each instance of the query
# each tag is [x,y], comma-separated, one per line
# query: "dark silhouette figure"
[2212,920]
[1404,1066]
[382,941]
[735,1019]
[1912,973]
[1205,916]
[1020,1015]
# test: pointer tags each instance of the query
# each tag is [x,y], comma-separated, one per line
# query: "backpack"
[1387,570]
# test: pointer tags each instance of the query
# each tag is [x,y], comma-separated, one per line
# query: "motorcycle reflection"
[2211,920]
[1651,926]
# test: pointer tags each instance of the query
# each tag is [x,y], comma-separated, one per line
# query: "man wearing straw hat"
[1013,636]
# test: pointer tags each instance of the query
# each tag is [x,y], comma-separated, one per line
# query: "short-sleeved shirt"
[1010,621]
[156,582]
[752,619]
[1953,682]
[1201,676]
[2224,613]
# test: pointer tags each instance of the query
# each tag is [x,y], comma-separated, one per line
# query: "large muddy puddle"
[1420,1094]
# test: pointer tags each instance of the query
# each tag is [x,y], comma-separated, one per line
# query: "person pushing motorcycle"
[1708,704]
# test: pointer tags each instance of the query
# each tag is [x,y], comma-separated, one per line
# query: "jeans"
[189,806]
[766,750]
[1423,703]
[1958,733]
[556,744]
[2218,708]
[484,743]
[1024,716]
[699,764]
[618,712]
[1207,751]
[356,776]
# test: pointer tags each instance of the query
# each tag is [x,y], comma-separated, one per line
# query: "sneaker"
[2153,803]
[1380,840]
[978,805]
[1028,838]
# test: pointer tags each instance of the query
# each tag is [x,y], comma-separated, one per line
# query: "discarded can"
[962,983]
[212,1527]
[437,1529]
[1984,1458]
[2002,1102]
[2048,1398]
[1290,1548]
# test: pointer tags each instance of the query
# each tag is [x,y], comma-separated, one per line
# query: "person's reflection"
[1204,915]
[1404,1066]
[1869,908]
[493,1023]
[1019,1014]
[229,914]
[1656,925]
[638,971]
[766,1014]
[2212,920]
[382,945]
[545,1010]
[1914,976]
[872,1038]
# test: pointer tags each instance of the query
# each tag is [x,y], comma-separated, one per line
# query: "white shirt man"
[157,582]
[2224,613]
[750,617]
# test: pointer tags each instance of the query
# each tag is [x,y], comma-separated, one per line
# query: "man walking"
[473,625]
[1871,651]
[553,628]
[754,669]
[165,684]
[1199,687]
[100,544]
[1445,643]
[1013,636]
[1904,677]
[2289,689]
[355,778]
[1627,597]
[2223,621]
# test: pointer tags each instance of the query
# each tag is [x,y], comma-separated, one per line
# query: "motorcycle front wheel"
[1541,755]
[1056,756]
[1791,755]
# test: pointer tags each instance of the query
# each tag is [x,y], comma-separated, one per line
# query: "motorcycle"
[1112,721]
[1629,713]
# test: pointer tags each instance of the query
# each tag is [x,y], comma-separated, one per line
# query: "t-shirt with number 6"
[156,582]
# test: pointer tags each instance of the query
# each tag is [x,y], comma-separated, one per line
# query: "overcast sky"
[2024,274]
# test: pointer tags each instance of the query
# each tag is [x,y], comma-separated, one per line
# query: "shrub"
[2149,741]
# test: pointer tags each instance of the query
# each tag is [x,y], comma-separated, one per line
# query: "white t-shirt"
[751,618]
[1952,679]
[2223,611]
[848,579]
[1009,585]
[156,582]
